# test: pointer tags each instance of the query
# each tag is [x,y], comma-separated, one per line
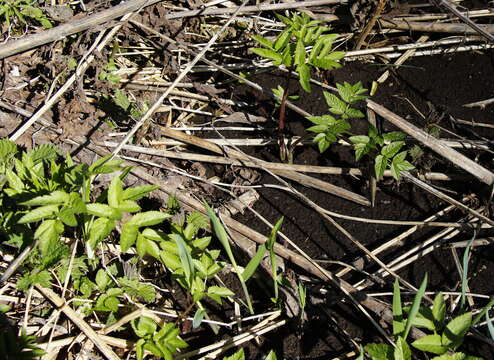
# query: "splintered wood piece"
[436,145]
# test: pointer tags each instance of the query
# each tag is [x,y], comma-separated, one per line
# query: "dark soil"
[438,87]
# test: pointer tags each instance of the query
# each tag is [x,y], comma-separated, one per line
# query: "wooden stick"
[72,27]
[253,8]
[435,176]
[81,324]
[303,179]
[480,29]
[433,27]
[436,145]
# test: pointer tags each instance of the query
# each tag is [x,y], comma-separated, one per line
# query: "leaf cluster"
[385,149]
[161,341]
[20,12]
[290,47]
[328,127]
[447,334]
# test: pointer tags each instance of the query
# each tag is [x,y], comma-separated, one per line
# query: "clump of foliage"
[447,333]
[289,47]
[20,12]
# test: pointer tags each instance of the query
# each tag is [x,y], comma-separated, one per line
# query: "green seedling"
[385,149]
[447,336]
[163,343]
[289,47]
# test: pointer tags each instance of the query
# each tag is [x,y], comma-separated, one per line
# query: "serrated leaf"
[103,280]
[299,53]
[336,106]
[380,165]
[57,197]
[44,152]
[121,99]
[129,206]
[430,343]
[359,139]
[14,181]
[103,210]
[48,232]
[323,144]
[115,192]
[318,128]
[322,120]
[7,149]
[394,136]
[282,40]
[148,218]
[351,113]
[380,351]
[303,71]
[38,214]
[128,236]
[456,329]
[268,54]
[263,41]
[170,260]
[392,149]
[325,63]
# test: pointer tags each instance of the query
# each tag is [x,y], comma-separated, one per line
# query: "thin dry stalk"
[81,324]
[433,27]
[481,104]
[436,145]
[254,8]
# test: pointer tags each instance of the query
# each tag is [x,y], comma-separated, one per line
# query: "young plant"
[447,334]
[163,343]
[289,47]
[328,127]
[385,149]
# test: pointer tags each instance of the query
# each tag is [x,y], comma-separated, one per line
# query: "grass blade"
[415,307]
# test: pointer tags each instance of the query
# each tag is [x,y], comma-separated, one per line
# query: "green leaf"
[392,149]
[268,54]
[263,41]
[115,192]
[138,192]
[325,63]
[38,214]
[7,149]
[282,39]
[185,258]
[103,210]
[44,152]
[170,260]
[121,99]
[148,218]
[322,120]
[254,263]
[99,231]
[323,144]
[399,164]
[380,351]
[415,306]
[198,317]
[430,343]
[55,198]
[303,71]
[380,165]
[300,53]
[48,233]
[318,129]
[14,181]
[128,236]
[394,136]
[220,291]
[103,280]
[456,329]
[439,311]
[359,139]
[336,106]
[398,320]
[238,355]
[402,350]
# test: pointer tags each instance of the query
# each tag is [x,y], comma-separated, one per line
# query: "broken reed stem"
[432,27]
[436,145]
[433,176]
[301,178]
[254,8]
[79,322]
